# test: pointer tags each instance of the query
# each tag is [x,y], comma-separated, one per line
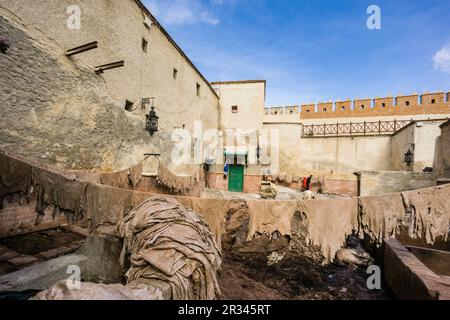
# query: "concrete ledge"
[409,278]
[442,181]
[436,260]
[41,276]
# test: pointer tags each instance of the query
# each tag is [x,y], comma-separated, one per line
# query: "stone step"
[41,276]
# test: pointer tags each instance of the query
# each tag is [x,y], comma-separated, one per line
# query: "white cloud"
[442,59]
[182,12]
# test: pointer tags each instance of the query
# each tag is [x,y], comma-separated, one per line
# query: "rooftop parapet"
[287,110]
[429,103]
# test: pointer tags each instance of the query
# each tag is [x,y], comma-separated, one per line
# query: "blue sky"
[315,50]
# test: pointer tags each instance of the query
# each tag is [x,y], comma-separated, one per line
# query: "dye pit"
[295,277]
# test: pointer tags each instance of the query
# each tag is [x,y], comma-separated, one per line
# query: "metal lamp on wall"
[409,157]
[152,121]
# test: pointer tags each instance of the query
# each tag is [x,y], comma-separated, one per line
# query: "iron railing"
[354,128]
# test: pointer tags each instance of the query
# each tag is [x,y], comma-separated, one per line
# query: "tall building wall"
[161,70]
[241,103]
[61,112]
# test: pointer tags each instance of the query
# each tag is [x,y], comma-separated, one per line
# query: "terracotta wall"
[252,183]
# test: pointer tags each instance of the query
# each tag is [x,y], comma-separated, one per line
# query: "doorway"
[236,178]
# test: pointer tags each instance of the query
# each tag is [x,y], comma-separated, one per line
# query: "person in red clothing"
[305,183]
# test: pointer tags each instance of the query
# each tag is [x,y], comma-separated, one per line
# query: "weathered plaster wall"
[442,158]
[289,157]
[426,134]
[446,149]
[402,141]
[384,182]
[330,157]
[249,98]
[346,155]
[419,137]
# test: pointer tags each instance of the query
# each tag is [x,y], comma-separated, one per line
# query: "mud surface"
[34,243]
[295,277]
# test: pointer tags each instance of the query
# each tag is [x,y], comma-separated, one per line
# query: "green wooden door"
[236,179]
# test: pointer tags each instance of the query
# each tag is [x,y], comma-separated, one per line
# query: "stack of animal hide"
[167,242]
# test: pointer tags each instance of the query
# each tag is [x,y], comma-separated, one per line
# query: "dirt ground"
[248,277]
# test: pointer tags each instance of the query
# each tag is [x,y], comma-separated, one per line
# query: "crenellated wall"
[285,110]
[426,104]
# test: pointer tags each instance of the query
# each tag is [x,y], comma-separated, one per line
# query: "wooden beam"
[83,48]
[113,65]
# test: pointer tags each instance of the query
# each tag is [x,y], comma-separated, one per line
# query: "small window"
[433,101]
[307,110]
[144,45]
[383,105]
[198,89]
[129,105]
[175,74]
[407,103]
[343,108]
[234,109]
[324,109]
[292,112]
[363,107]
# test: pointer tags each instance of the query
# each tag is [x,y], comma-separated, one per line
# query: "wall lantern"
[409,157]
[152,121]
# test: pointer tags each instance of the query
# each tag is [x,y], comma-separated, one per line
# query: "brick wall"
[341,187]
[252,183]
